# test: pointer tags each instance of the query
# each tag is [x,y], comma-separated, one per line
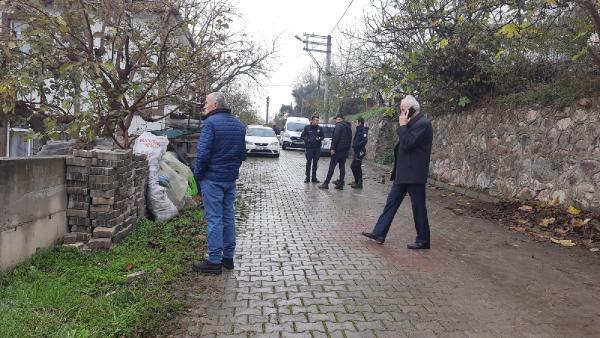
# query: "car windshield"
[262,132]
[295,126]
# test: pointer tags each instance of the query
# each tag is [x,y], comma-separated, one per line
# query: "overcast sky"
[266,19]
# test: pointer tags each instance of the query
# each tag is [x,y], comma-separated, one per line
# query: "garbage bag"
[176,185]
[179,176]
[154,147]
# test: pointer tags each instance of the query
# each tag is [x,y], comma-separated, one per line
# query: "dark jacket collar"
[415,119]
[217,111]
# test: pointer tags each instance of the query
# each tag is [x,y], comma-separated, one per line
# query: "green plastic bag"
[192,189]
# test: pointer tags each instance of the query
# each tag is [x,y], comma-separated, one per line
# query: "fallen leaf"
[517,229]
[129,267]
[561,231]
[526,208]
[538,234]
[563,242]
[552,202]
[573,211]
[578,223]
[522,221]
[594,249]
[547,221]
[159,270]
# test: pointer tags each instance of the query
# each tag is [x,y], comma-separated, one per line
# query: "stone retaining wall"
[526,153]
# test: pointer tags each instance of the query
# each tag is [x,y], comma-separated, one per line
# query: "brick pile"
[107,195]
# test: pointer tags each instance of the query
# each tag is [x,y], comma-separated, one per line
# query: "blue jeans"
[218,199]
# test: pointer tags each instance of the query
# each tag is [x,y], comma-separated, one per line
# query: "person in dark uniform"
[340,145]
[358,146]
[312,135]
[276,129]
[411,168]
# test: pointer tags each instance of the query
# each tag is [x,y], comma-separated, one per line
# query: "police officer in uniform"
[312,135]
[358,146]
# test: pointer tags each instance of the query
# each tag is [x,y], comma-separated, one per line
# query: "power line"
[347,8]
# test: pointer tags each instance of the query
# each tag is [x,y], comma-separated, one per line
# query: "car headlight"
[249,143]
[274,144]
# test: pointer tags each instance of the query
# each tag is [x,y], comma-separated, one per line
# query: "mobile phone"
[411,112]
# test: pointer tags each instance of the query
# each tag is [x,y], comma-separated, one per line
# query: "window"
[261,132]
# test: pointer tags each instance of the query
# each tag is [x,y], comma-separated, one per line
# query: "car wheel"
[276,155]
[283,147]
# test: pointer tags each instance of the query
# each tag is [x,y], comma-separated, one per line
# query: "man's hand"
[403,119]
[332,152]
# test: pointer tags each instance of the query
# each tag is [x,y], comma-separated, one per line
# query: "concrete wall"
[33,204]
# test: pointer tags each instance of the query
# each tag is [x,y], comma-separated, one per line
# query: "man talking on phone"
[411,168]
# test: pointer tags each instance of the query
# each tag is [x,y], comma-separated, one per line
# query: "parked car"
[328,132]
[261,140]
[290,136]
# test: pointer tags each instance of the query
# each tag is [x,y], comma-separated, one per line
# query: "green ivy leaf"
[463,101]
[443,43]
[510,30]
[579,54]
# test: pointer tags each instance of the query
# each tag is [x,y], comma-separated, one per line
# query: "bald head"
[215,100]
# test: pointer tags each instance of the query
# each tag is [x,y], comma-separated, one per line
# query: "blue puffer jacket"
[221,148]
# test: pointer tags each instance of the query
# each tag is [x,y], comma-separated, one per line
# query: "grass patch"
[63,292]
[557,94]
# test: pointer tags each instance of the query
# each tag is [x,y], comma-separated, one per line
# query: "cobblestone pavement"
[302,269]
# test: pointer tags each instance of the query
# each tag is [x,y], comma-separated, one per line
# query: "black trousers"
[395,197]
[335,160]
[356,167]
[312,157]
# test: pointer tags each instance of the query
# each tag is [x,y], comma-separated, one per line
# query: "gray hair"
[412,102]
[219,99]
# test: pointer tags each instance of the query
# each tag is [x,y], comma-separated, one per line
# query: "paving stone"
[303,270]
[305,327]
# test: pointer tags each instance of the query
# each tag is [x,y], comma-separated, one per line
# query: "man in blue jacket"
[221,151]
[411,168]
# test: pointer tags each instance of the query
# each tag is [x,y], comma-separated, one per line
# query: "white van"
[290,136]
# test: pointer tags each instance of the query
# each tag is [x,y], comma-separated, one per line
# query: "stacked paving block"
[78,208]
[106,190]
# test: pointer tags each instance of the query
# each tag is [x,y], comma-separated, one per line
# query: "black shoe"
[324,186]
[339,187]
[315,180]
[379,240]
[418,246]
[356,185]
[206,267]
[228,263]
[336,182]
[307,180]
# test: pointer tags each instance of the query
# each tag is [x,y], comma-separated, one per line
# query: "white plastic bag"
[177,184]
[178,176]
[154,147]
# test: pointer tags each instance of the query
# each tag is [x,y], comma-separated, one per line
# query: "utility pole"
[267,119]
[311,44]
